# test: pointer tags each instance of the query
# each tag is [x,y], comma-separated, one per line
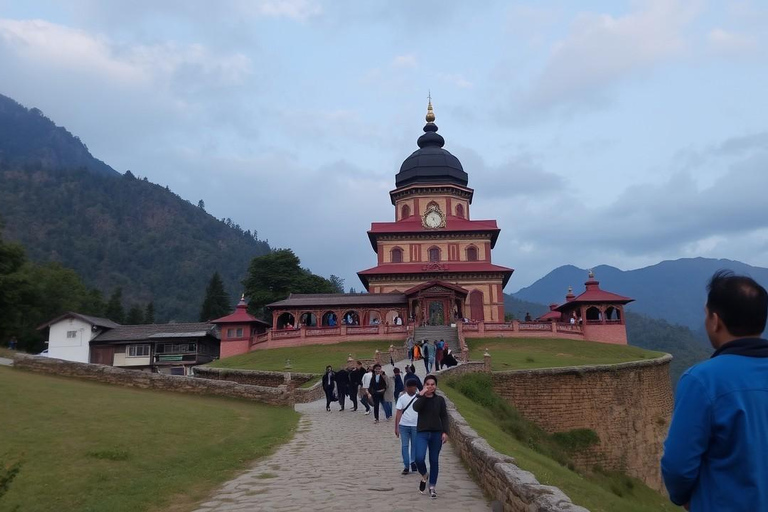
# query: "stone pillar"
[487,361]
[554,325]
[464,354]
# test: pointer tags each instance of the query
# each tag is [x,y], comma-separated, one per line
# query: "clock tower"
[433,248]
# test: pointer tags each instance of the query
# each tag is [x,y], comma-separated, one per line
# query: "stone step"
[436,332]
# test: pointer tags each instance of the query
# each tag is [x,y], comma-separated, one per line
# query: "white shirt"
[410,418]
[367,380]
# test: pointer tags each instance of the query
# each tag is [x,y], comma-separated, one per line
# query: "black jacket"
[379,387]
[356,377]
[433,413]
[342,379]
[328,387]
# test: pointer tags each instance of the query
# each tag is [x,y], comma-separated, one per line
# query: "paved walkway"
[6,362]
[343,461]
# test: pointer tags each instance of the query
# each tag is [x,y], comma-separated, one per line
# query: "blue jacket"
[716,452]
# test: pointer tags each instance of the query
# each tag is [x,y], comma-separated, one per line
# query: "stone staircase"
[439,332]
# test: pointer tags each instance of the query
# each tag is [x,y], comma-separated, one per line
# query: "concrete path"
[343,461]
[4,361]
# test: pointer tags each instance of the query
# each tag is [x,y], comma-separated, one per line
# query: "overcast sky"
[620,133]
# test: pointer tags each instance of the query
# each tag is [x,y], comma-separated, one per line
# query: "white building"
[71,334]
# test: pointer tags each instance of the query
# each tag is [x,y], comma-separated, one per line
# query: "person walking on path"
[425,350]
[716,452]
[399,387]
[440,350]
[329,381]
[342,386]
[376,390]
[365,395]
[355,381]
[432,352]
[416,352]
[432,432]
[405,426]
[409,344]
[389,395]
[410,373]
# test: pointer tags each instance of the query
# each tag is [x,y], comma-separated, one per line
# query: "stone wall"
[145,380]
[254,377]
[628,405]
[515,489]
[462,369]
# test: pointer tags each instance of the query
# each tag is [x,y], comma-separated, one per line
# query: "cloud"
[405,61]
[455,79]
[731,43]
[602,50]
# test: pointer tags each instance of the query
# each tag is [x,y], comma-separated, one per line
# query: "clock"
[433,219]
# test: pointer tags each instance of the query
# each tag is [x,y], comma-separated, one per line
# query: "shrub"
[576,440]
[7,474]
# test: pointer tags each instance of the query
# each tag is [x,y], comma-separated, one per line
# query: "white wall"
[70,349]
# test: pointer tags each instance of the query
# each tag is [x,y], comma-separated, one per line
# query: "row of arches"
[434,253]
[597,314]
[405,211]
[287,319]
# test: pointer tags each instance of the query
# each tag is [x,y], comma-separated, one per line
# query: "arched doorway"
[436,312]
[308,319]
[351,317]
[286,321]
[330,320]
[476,306]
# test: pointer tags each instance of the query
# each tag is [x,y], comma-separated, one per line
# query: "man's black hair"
[430,377]
[377,365]
[739,301]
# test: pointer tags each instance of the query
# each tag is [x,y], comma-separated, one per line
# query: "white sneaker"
[367,413]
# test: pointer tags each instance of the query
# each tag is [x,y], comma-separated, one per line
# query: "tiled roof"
[145,332]
[105,323]
[452,224]
[448,267]
[309,300]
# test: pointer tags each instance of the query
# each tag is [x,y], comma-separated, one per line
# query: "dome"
[431,163]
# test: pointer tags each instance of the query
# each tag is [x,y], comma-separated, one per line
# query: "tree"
[216,303]
[201,204]
[114,310]
[275,275]
[352,289]
[135,315]
[337,283]
[149,313]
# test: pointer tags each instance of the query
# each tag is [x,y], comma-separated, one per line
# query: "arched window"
[471,253]
[434,254]
[330,320]
[308,319]
[397,255]
[286,321]
[405,212]
[460,211]
[594,314]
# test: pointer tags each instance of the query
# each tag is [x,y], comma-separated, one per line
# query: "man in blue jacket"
[716,452]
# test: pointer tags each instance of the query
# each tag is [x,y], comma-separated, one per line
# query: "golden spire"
[591,274]
[430,114]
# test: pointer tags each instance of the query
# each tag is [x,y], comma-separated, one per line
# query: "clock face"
[433,219]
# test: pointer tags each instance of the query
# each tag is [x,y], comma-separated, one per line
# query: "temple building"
[434,276]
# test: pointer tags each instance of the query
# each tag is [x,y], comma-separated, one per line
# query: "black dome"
[431,163]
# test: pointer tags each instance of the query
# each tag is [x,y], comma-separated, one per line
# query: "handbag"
[409,403]
[334,397]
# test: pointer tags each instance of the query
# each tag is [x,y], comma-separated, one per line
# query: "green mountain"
[686,346]
[114,230]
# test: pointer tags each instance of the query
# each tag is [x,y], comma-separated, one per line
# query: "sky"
[618,133]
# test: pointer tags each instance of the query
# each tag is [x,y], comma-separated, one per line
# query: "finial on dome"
[242,297]
[570,289]
[430,113]
[591,274]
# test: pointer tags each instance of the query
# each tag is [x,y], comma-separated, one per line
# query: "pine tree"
[115,311]
[338,283]
[135,315]
[216,303]
[149,313]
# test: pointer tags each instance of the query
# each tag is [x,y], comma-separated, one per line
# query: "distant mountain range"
[115,230]
[671,290]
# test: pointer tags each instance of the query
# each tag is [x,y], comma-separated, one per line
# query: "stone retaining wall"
[310,394]
[254,377]
[145,380]
[463,369]
[628,405]
[515,489]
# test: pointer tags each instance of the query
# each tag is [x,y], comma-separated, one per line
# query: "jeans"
[432,439]
[387,409]
[378,398]
[408,437]
[364,401]
[432,364]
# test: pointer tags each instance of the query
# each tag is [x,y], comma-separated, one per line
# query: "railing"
[614,321]
[470,327]
[292,333]
[261,338]
[362,329]
[563,327]
[499,326]
[323,331]
[396,328]
[594,322]
[535,326]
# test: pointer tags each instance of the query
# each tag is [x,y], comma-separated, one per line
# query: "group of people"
[421,419]
[436,354]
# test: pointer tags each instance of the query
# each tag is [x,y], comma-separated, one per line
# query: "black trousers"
[328,397]
[378,398]
[342,391]
[353,390]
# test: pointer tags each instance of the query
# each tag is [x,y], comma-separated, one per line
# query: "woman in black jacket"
[431,432]
[376,389]
[329,379]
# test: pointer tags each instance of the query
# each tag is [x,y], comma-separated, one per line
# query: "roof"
[240,316]
[104,323]
[452,267]
[308,300]
[155,331]
[593,294]
[435,282]
[551,315]
[452,224]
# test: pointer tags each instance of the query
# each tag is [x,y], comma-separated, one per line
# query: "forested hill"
[115,230]
[28,138]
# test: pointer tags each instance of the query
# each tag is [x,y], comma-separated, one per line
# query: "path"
[343,461]
[6,362]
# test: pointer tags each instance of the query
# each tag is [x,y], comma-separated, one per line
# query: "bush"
[7,473]
[576,440]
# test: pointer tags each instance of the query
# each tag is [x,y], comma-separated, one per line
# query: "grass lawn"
[306,359]
[7,353]
[526,353]
[93,447]
[598,493]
